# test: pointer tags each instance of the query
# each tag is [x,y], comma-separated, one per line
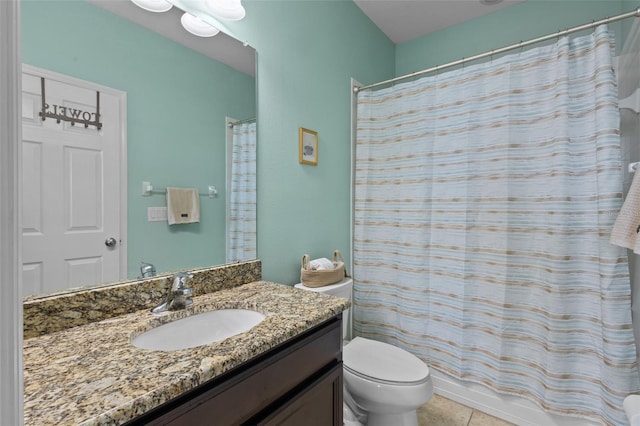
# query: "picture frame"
[308,146]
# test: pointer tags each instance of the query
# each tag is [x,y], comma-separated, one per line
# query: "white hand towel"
[631,406]
[625,229]
[183,205]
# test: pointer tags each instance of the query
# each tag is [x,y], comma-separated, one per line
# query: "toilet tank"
[339,289]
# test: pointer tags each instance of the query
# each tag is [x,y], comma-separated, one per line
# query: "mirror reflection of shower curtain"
[241,221]
[484,201]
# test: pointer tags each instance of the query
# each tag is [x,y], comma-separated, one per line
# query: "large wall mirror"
[181,93]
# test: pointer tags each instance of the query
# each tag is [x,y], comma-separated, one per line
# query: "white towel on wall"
[183,205]
[625,229]
[631,406]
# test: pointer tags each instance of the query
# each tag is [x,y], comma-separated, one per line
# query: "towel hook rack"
[72,115]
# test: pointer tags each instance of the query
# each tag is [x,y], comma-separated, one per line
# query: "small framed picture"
[308,140]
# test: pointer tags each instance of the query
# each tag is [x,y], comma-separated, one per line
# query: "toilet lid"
[383,362]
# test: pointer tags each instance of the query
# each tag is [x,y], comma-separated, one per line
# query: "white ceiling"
[400,20]
[404,20]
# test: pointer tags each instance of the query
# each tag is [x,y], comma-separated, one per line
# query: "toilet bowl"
[383,384]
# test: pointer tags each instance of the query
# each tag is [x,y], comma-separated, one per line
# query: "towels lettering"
[62,112]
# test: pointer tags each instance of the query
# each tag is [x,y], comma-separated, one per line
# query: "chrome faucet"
[178,296]
[147,270]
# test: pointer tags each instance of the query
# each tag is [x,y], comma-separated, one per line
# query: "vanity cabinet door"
[318,404]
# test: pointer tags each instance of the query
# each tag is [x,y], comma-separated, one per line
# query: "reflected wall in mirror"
[178,101]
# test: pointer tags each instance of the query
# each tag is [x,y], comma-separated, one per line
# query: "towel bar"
[147,190]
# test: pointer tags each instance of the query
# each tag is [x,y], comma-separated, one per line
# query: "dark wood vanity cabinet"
[319,403]
[296,383]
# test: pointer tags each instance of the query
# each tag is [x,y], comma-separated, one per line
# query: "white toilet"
[383,384]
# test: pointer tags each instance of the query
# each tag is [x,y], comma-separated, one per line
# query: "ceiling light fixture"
[490,2]
[153,5]
[197,26]
[231,10]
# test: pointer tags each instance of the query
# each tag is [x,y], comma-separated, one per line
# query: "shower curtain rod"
[237,123]
[634,13]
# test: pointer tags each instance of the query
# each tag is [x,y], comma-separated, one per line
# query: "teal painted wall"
[523,21]
[308,51]
[177,103]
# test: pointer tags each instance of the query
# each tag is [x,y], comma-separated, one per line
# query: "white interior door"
[72,181]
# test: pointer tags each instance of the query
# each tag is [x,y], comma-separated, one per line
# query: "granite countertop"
[93,375]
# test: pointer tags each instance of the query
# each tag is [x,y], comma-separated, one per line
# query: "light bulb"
[153,5]
[231,10]
[197,26]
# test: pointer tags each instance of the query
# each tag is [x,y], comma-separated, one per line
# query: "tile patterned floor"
[440,411]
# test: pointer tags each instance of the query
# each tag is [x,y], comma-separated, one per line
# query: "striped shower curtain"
[484,200]
[241,220]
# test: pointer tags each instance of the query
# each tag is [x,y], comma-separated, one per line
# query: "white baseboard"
[513,409]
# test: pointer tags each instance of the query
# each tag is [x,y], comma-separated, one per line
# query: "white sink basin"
[197,330]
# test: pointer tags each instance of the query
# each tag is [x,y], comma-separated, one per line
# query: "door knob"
[110,242]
